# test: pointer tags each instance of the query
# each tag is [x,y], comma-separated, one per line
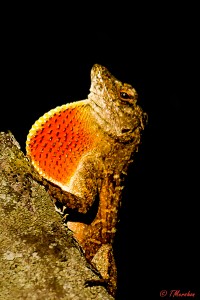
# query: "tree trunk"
[39,258]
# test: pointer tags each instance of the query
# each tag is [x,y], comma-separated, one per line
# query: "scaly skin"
[85,149]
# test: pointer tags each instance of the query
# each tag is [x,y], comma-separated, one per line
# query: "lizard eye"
[124,95]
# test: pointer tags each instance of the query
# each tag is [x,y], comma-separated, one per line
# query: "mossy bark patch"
[38,257]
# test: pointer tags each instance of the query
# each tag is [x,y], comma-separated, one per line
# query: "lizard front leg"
[79,198]
[96,238]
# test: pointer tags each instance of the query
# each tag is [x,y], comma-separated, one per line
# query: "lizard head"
[114,104]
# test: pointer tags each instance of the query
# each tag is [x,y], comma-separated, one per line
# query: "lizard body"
[85,148]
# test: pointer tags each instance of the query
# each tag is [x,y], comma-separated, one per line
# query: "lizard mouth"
[140,121]
[134,125]
[125,130]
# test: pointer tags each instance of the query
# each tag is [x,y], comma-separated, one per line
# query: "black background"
[46,57]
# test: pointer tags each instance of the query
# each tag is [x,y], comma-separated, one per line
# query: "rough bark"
[39,258]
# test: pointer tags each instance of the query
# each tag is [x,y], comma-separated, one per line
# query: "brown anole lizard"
[84,149]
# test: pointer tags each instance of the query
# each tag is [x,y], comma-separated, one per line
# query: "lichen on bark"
[39,258]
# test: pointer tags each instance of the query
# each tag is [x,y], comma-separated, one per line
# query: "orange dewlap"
[58,140]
